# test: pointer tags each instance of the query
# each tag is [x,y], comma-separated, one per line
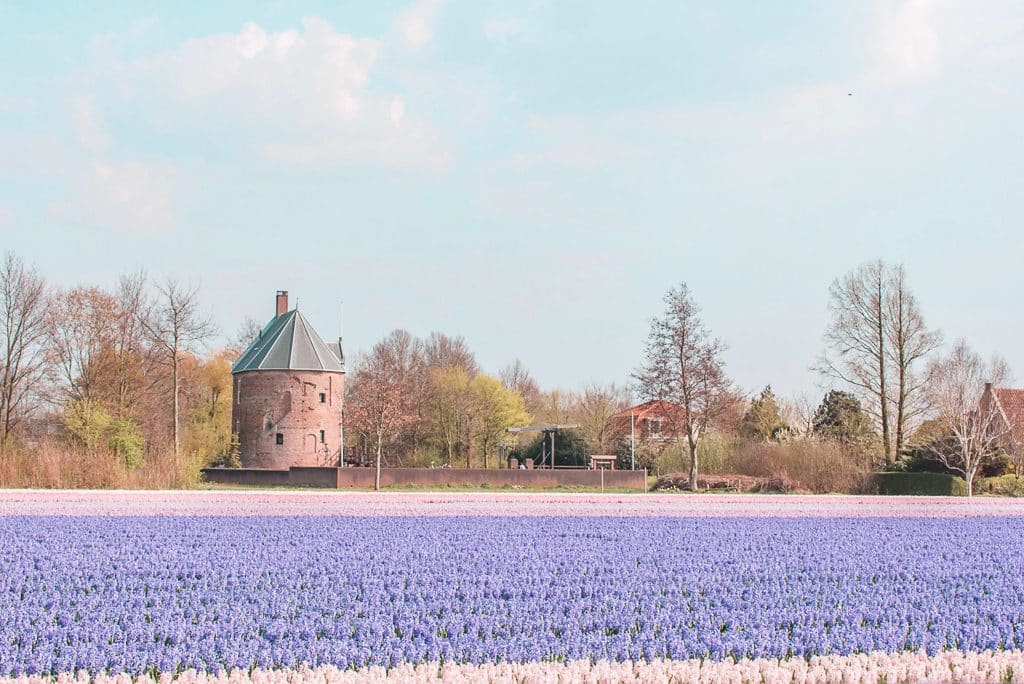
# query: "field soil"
[300,502]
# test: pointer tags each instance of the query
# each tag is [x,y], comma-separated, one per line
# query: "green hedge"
[921,484]
[1005,485]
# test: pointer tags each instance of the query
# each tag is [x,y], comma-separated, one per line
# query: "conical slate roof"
[289,342]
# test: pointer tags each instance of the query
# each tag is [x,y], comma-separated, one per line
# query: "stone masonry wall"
[269,403]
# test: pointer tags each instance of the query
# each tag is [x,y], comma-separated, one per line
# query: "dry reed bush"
[814,465]
[55,465]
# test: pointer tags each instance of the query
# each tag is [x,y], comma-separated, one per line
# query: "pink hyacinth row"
[950,666]
[189,503]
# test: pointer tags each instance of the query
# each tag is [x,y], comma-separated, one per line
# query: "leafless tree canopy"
[80,328]
[382,392]
[247,332]
[856,339]
[975,432]
[516,377]
[684,367]
[442,351]
[175,326]
[908,343]
[594,410]
[135,359]
[23,318]
[874,341]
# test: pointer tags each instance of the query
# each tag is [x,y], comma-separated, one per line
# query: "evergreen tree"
[840,418]
[763,421]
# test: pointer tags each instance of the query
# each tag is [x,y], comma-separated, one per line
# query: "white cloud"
[396,111]
[916,40]
[503,30]
[907,43]
[103,193]
[129,196]
[90,127]
[298,96]
[416,23]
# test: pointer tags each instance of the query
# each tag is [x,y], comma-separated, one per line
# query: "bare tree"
[80,328]
[449,407]
[380,401]
[246,334]
[175,327]
[516,377]
[442,351]
[684,367]
[798,412]
[23,307]
[856,336]
[135,360]
[594,409]
[975,432]
[908,342]
[554,406]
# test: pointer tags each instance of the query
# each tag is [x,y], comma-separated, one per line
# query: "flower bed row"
[166,594]
[522,504]
[1006,667]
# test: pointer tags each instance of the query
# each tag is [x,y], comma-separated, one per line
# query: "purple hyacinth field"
[381,595]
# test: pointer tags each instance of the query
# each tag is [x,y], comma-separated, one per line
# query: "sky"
[534,175]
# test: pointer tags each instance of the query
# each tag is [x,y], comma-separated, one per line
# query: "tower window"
[321,435]
[323,398]
[279,438]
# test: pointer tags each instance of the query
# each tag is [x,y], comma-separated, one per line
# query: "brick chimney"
[282,302]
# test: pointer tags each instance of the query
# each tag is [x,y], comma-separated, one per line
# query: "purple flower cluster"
[148,594]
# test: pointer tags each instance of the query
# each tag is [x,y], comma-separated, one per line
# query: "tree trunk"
[692,444]
[376,474]
[883,397]
[901,369]
[174,373]
[901,402]
[5,433]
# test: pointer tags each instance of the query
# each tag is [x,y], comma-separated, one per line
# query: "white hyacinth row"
[891,668]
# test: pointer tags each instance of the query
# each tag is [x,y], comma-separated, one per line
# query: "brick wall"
[362,478]
[287,403]
[252,477]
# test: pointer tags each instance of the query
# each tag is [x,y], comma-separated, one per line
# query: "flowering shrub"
[165,594]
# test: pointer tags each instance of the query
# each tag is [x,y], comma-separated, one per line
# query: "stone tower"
[288,390]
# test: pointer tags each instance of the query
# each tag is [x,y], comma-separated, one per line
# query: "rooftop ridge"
[288,342]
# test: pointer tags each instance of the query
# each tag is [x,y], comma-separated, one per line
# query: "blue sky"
[530,175]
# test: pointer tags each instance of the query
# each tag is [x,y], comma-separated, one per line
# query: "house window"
[321,434]
[279,438]
[323,398]
[654,427]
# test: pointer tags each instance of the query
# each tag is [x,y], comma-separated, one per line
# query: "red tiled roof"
[1012,403]
[665,414]
[656,407]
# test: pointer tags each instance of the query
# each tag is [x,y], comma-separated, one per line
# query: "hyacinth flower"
[141,594]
